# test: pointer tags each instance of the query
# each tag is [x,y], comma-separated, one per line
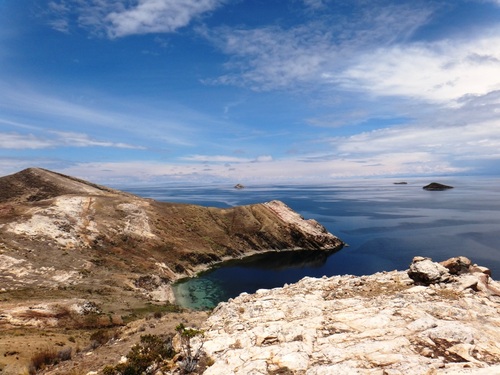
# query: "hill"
[73,247]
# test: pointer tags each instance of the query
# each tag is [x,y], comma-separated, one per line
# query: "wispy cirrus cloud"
[215,159]
[276,57]
[19,141]
[16,141]
[373,54]
[226,159]
[119,18]
[45,113]
[75,139]
[450,137]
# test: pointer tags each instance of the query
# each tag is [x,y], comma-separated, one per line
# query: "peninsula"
[58,232]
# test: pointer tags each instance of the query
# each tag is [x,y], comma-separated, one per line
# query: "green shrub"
[145,357]
[191,357]
[100,337]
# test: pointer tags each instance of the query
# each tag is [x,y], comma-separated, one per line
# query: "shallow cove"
[259,271]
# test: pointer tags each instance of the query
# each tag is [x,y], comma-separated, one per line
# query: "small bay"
[384,224]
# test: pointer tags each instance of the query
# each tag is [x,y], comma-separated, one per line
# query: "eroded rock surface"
[379,324]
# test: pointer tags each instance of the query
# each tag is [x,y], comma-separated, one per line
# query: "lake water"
[384,224]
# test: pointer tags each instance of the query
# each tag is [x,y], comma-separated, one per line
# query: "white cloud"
[270,58]
[479,140]
[215,159]
[289,170]
[23,141]
[226,159]
[276,58]
[119,18]
[83,140]
[16,141]
[135,119]
[315,4]
[264,158]
[371,54]
[154,16]
[61,22]
[436,72]
[23,97]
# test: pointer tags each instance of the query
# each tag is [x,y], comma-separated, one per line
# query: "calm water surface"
[385,226]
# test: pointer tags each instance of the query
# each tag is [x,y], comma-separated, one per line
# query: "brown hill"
[61,233]
[76,256]
[35,184]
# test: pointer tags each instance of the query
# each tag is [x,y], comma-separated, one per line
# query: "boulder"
[425,271]
[457,265]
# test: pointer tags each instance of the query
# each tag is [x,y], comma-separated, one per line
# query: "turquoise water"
[385,226]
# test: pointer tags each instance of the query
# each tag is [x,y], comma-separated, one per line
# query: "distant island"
[435,186]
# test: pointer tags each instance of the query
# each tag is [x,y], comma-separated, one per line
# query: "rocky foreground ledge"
[435,318]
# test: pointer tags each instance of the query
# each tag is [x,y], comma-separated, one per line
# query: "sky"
[250,91]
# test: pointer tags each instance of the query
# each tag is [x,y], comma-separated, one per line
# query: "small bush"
[145,357]
[42,359]
[191,356]
[65,354]
[47,357]
[100,337]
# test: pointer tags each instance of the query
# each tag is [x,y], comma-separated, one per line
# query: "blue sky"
[249,91]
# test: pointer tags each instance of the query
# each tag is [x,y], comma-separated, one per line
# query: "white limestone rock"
[378,324]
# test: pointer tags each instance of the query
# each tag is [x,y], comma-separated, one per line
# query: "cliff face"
[59,232]
[443,320]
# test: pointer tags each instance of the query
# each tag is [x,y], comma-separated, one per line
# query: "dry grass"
[48,357]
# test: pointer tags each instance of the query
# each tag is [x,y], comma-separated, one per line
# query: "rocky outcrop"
[432,319]
[435,186]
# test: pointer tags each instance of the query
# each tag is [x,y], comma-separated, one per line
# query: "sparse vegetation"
[191,356]
[147,357]
[48,357]
[101,337]
[154,309]
[156,352]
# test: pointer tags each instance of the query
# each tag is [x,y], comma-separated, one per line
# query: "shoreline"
[201,268]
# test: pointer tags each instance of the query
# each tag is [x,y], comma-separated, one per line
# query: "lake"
[384,224]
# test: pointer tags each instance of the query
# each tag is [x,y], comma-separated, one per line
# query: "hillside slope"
[76,257]
[58,232]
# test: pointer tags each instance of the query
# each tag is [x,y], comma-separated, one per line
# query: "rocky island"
[436,186]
